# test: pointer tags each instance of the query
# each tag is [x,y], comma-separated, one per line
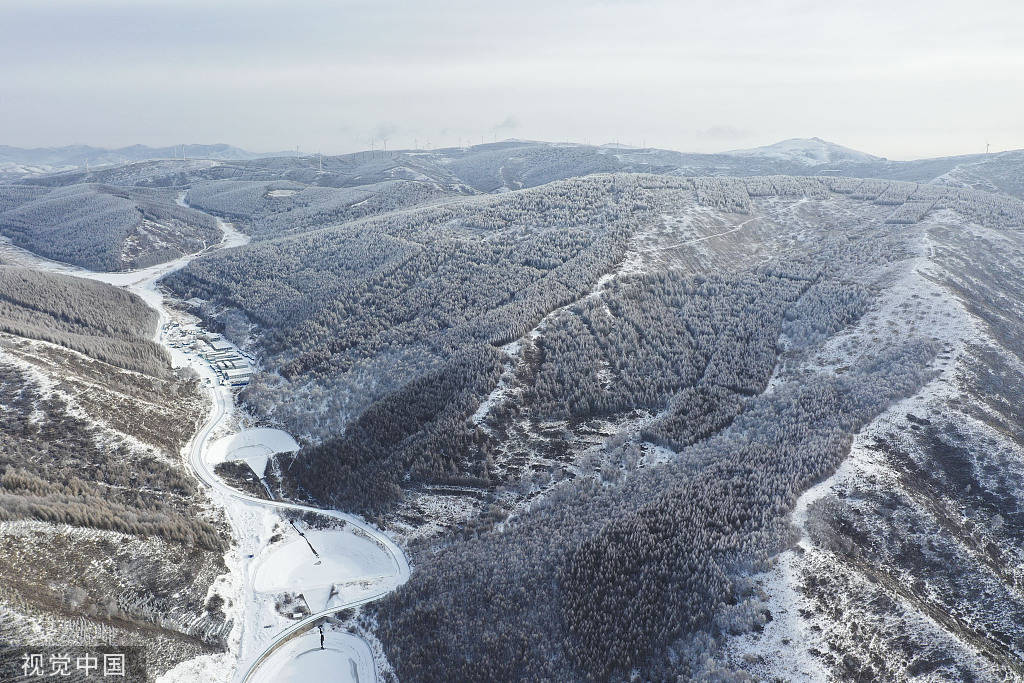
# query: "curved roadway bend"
[143,283]
[202,469]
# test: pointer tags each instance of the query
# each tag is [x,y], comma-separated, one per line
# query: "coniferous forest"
[610,409]
[475,347]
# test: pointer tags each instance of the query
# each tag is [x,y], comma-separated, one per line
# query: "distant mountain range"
[18,161]
[15,161]
[491,167]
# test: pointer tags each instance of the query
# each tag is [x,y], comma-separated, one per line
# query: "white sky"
[901,78]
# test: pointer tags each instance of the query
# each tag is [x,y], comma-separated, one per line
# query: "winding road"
[197,450]
[143,282]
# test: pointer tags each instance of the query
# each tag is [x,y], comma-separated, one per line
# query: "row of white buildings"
[229,364]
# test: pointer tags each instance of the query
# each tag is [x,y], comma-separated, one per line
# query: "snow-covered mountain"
[810,151]
[15,161]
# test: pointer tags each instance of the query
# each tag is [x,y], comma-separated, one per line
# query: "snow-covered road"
[386,581]
[350,552]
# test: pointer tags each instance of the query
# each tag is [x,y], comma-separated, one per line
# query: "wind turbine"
[987,146]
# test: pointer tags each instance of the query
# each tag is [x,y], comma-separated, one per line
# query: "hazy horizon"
[472,143]
[916,80]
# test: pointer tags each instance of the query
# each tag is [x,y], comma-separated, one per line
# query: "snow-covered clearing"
[253,446]
[344,657]
[695,240]
[342,557]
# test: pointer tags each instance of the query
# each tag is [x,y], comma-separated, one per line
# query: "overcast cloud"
[898,79]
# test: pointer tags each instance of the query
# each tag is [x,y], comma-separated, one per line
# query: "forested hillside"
[623,375]
[276,208]
[394,297]
[274,196]
[125,216]
[349,313]
[621,412]
[96,319]
[654,564]
[47,451]
[103,227]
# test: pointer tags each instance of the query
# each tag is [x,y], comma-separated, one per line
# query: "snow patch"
[252,446]
[341,556]
[345,657]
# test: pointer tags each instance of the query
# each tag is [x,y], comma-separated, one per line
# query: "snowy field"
[342,557]
[253,446]
[345,658]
